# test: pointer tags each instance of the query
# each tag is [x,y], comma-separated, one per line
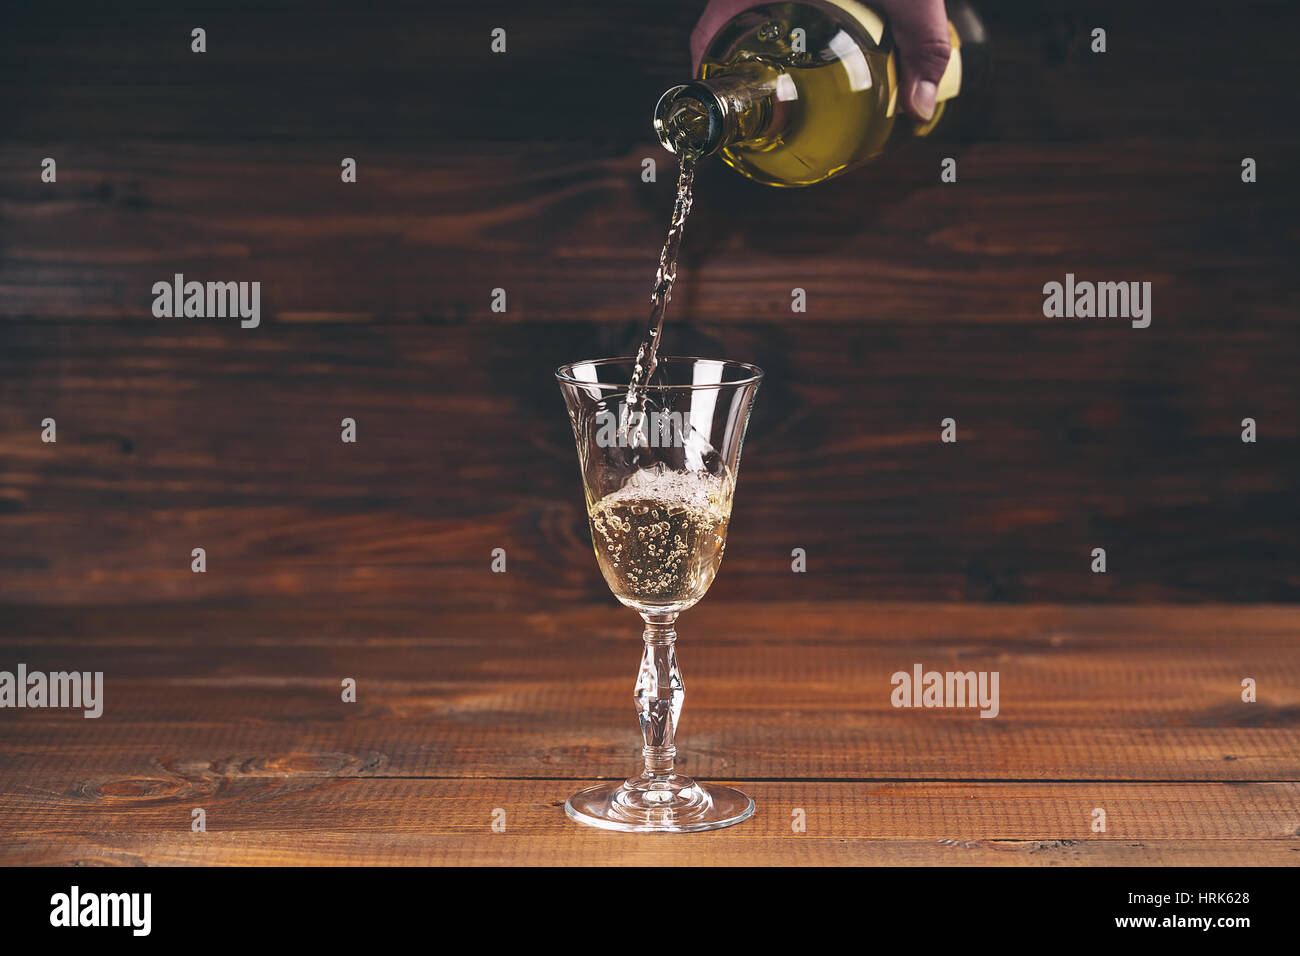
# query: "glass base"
[674,804]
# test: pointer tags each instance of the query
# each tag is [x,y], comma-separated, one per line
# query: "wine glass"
[659,472]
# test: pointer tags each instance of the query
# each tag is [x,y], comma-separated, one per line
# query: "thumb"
[921,32]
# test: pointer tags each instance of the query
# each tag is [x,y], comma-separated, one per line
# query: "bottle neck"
[705,116]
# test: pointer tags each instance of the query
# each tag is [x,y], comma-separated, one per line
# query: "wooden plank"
[173,437]
[207,165]
[426,234]
[396,822]
[401,72]
[775,691]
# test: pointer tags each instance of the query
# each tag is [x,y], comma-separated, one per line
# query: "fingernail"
[923,97]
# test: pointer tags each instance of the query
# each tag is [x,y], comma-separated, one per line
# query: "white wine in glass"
[659,539]
[658,512]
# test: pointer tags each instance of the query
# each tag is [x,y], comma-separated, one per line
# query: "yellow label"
[870,19]
[949,85]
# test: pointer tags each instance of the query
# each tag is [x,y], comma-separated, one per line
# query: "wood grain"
[476,172]
[282,70]
[425,238]
[174,438]
[439,822]
[1136,710]
[924,303]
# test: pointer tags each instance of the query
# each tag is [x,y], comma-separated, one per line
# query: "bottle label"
[949,85]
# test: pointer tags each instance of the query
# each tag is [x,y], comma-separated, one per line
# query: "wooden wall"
[522,171]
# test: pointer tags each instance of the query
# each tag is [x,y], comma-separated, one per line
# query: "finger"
[921,32]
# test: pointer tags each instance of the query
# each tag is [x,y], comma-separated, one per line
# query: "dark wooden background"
[522,171]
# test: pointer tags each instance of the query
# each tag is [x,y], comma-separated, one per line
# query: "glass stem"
[659,695]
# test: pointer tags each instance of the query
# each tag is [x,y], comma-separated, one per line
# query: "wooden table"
[1134,710]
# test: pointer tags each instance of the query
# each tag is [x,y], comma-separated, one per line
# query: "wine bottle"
[791,94]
